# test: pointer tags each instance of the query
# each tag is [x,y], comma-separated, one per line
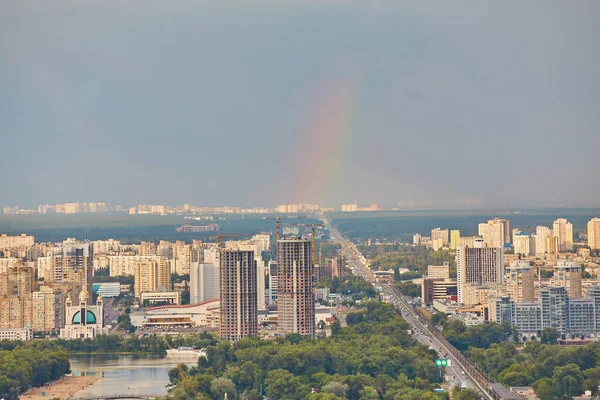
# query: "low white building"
[445,305]
[160,296]
[206,314]
[16,334]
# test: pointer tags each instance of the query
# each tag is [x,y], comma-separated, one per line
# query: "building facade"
[554,309]
[593,232]
[151,274]
[563,231]
[295,297]
[521,278]
[238,294]
[478,265]
[204,282]
[83,321]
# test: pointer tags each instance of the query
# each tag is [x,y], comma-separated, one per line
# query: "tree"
[220,386]
[549,335]
[464,394]
[369,393]
[568,379]
[337,388]
[439,318]
[283,385]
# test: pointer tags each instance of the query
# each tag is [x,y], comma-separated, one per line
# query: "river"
[128,374]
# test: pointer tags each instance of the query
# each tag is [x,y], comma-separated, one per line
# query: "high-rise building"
[273,282]
[238,294]
[439,238]
[568,274]
[204,282]
[521,279]
[454,239]
[493,232]
[73,264]
[478,265]
[563,231]
[182,257]
[16,312]
[523,243]
[541,235]
[17,280]
[295,297]
[150,274]
[48,309]
[593,232]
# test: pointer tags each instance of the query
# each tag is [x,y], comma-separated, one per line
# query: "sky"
[449,104]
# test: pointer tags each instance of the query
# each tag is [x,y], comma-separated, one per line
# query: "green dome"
[89,319]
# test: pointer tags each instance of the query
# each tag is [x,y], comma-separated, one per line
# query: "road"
[454,374]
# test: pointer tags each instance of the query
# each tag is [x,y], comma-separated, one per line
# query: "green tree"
[281,384]
[568,380]
[337,388]
[549,335]
[221,386]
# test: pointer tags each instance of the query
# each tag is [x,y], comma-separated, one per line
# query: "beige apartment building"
[563,231]
[151,274]
[593,232]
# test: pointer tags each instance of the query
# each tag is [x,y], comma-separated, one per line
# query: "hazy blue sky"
[307,101]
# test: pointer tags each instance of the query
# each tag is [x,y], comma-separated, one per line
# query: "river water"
[128,374]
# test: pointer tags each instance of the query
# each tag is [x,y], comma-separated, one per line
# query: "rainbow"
[322,151]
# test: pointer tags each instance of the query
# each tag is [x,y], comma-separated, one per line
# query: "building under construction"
[295,297]
[238,293]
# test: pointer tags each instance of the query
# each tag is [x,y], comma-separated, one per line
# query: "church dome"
[83,295]
[89,319]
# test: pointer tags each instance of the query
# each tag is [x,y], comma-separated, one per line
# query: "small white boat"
[187,351]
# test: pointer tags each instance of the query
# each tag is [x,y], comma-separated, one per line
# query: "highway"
[454,375]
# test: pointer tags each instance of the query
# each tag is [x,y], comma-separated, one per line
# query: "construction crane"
[277,223]
[313,234]
[313,254]
[219,237]
[182,374]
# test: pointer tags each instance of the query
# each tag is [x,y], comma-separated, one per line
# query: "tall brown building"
[568,274]
[521,279]
[238,294]
[295,297]
[17,280]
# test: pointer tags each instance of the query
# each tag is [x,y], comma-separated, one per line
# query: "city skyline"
[341,101]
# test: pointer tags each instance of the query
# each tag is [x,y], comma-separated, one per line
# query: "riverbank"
[117,353]
[63,389]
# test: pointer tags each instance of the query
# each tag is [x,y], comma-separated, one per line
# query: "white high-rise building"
[523,243]
[563,230]
[204,282]
[478,265]
[493,232]
[541,233]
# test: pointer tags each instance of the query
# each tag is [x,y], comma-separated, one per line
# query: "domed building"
[83,321]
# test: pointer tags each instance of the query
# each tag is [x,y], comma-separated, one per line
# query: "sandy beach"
[62,389]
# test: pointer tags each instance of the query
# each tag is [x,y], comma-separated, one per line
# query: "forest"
[555,373]
[373,358]
[30,364]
